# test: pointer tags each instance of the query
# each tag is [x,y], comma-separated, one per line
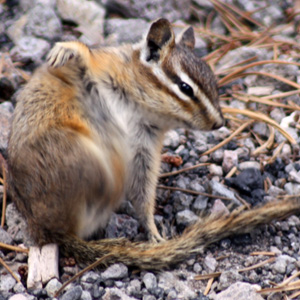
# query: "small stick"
[184,170]
[13,248]
[267,253]
[3,263]
[208,286]
[224,142]
[192,192]
[88,268]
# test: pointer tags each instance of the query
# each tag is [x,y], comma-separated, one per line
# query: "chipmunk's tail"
[158,256]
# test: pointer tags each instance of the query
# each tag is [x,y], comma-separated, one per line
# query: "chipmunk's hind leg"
[63,52]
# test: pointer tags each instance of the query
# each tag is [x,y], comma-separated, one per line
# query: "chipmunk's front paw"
[60,55]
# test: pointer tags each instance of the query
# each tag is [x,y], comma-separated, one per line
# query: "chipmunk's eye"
[186,89]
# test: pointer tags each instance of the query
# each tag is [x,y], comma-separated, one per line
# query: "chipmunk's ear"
[159,39]
[187,38]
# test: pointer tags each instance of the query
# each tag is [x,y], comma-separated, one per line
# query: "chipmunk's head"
[187,85]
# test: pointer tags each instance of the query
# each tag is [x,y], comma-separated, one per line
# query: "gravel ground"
[28,29]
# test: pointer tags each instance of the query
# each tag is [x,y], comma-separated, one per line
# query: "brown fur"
[87,132]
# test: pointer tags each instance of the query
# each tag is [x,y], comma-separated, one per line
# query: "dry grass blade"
[281,95]
[13,248]
[268,144]
[258,265]
[224,142]
[171,188]
[184,170]
[277,77]
[276,153]
[217,274]
[263,100]
[260,117]
[266,253]
[208,286]
[88,268]
[254,64]
[207,276]
[279,289]
[3,263]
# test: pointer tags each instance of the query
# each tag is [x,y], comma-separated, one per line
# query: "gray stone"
[172,139]
[219,209]
[210,263]
[186,217]
[200,203]
[293,221]
[249,165]
[240,290]
[90,277]
[228,278]
[182,201]
[115,271]
[134,287]
[126,30]
[275,191]
[215,170]
[195,185]
[221,190]
[121,225]
[73,293]
[42,22]
[150,9]
[149,297]
[197,268]
[281,263]
[86,296]
[261,129]
[90,18]
[277,114]
[292,188]
[30,47]
[217,156]
[150,281]
[230,160]
[242,53]
[52,287]
[19,288]
[7,282]
[5,237]
[167,280]
[115,294]
[294,176]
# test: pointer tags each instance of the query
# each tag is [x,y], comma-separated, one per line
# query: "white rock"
[240,290]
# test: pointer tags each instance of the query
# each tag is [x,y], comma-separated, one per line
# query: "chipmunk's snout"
[218,124]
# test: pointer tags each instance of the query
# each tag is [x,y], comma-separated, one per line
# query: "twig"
[171,188]
[261,117]
[224,142]
[88,268]
[13,248]
[3,263]
[208,286]
[258,265]
[184,170]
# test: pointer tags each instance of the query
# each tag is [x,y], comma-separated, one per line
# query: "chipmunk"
[87,132]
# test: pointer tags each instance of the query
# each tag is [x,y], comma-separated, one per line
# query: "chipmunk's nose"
[218,124]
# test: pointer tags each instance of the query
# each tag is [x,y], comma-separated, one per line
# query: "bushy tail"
[158,256]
